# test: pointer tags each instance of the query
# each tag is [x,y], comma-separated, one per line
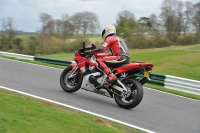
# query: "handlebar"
[84,43]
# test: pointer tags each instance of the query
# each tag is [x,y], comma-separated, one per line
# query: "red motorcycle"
[84,73]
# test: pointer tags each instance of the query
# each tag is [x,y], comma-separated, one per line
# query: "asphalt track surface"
[159,112]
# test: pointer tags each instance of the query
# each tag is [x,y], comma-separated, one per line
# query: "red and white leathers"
[119,55]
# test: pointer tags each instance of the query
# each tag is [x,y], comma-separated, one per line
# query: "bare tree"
[196,20]
[90,22]
[8,34]
[50,28]
[187,17]
[68,28]
[76,19]
[156,25]
[45,19]
[85,22]
[172,16]
[145,24]
[58,26]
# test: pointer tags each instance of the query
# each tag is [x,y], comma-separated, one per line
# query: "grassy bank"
[23,114]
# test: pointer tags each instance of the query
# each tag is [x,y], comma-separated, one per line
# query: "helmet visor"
[103,34]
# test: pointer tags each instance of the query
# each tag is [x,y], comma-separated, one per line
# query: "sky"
[25,13]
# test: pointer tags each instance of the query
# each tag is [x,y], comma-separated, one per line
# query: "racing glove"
[87,52]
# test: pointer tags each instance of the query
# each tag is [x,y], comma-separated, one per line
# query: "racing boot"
[110,79]
[111,76]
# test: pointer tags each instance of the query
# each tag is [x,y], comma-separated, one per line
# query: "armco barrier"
[156,79]
[52,61]
[182,84]
[20,56]
[167,81]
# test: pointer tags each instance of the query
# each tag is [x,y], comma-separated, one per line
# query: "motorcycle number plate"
[146,73]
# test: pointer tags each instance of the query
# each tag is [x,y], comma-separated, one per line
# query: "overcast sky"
[26,12]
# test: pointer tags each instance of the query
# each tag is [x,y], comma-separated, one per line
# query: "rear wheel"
[136,94]
[70,84]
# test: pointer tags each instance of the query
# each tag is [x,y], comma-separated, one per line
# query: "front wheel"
[136,94]
[70,84]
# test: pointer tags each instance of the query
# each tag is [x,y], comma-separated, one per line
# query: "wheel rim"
[133,95]
[71,82]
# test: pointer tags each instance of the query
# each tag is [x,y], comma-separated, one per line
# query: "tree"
[187,17]
[68,27]
[76,19]
[8,39]
[172,16]
[85,22]
[46,20]
[156,26]
[90,22]
[33,44]
[8,35]
[58,26]
[145,24]
[125,23]
[196,20]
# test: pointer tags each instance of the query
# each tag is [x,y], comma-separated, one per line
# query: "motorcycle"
[84,73]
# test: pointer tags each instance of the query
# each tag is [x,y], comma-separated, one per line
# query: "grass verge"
[23,114]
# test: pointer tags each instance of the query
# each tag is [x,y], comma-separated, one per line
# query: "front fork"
[73,71]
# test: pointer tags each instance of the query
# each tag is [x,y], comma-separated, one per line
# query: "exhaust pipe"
[144,80]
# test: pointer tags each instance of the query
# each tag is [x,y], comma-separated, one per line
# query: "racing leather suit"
[119,55]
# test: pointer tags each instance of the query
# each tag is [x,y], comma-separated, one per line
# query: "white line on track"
[82,110]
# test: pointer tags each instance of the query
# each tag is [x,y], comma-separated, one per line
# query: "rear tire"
[136,94]
[70,84]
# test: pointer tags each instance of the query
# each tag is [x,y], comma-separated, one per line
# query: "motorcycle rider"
[119,51]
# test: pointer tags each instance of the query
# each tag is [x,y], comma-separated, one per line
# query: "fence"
[167,81]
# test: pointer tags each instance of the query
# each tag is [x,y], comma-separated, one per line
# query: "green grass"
[172,62]
[23,114]
[26,36]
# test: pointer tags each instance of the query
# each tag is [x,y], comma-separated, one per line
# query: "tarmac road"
[159,112]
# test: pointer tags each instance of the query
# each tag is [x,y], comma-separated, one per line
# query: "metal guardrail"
[167,81]
[20,56]
[156,79]
[182,84]
[52,61]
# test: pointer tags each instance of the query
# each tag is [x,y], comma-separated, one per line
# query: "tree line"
[177,24]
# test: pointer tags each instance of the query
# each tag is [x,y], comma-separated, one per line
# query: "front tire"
[70,84]
[136,94]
